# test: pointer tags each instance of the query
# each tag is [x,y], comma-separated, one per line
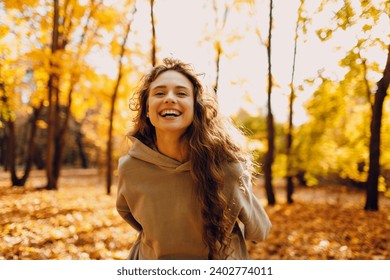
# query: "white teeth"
[170,112]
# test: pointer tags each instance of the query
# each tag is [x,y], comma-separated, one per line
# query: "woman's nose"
[170,98]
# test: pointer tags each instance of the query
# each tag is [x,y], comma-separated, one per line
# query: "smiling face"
[171,103]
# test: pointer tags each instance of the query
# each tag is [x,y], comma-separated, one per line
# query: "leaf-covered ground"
[79,221]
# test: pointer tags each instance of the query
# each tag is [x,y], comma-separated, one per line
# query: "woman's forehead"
[171,78]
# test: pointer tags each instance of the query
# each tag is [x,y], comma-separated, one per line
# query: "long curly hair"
[212,141]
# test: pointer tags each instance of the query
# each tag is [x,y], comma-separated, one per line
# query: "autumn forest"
[306,82]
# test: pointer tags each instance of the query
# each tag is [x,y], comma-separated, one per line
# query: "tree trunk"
[3,131]
[79,141]
[217,43]
[16,181]
[61,127]
[376,122]
[269,158]
[59,143]
[289,136]
[113,101]
[289,141]
[12,151]
[153,52]
[53,87]
[31,142]
[3,147]
[12,148]
[38,160]
[217,62]
[4,152]
[109,142]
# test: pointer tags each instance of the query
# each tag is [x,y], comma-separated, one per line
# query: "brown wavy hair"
[211,143]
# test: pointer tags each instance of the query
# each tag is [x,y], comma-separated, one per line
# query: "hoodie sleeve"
[121,204]
[251,214]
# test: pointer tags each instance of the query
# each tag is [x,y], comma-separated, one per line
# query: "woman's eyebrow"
[159,87]
[164,87]
[183,87]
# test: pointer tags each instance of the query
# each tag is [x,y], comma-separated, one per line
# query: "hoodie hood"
[143,152]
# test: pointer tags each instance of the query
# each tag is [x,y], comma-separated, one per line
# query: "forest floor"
[79,221]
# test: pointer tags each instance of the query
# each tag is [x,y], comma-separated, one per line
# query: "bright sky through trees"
[183,27]
[186,30]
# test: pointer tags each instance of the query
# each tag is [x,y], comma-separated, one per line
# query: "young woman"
[185,184]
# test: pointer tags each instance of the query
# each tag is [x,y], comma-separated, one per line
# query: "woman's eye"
[159,93]
[182,93]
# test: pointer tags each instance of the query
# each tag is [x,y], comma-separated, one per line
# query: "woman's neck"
[172,147]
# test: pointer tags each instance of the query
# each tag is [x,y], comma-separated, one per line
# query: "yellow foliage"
[19,4]
[382,184]
[108,17]
[4,29]
[42,124]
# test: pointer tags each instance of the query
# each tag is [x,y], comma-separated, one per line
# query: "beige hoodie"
[156,197]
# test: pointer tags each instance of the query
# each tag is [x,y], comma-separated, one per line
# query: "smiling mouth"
[170,113]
